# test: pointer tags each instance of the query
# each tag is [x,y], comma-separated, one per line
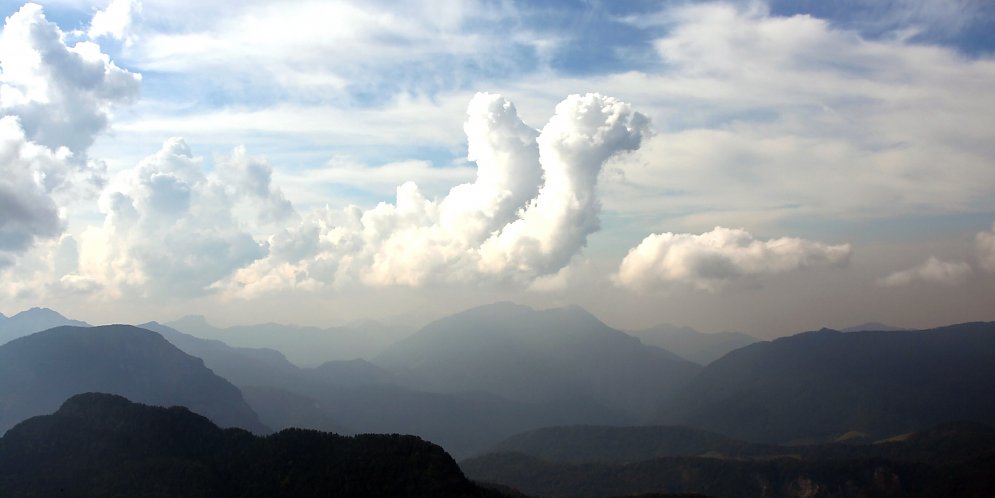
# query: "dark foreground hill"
[954,459]
[103,445]
[38,372]
[820,386]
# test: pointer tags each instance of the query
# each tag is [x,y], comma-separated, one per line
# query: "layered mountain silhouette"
[104,445]
[821,385]
[38,372]
[953,459]
[692,345]
[305,346]
[358,397]
[31,321]
[538,356]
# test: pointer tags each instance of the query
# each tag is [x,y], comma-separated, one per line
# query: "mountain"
[537,356]
[103,445]
[864,327]
[817,386]
[954,459]
[31,321]
[39,371]
[239,365]
[356,396]
[690,344]
[306,346]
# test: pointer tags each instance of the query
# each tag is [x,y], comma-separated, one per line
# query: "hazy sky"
[768,167]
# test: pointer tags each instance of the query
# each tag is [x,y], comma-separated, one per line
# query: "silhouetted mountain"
[104,445]
[692,345]
[41,370]
[306,346]
[356,397]
[869,326]
[241,366]
[817,386]
[33,320]
[956,459]
[538,356]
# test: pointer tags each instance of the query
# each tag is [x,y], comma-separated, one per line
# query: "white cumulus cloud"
[171,229]
[528,212]
[711,260]
[54,99]
[933,270]
[115,20]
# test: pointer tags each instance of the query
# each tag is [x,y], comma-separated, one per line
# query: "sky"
[765,167]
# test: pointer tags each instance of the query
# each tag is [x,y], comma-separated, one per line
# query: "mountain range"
[534,356]
[305,346]
[817,386]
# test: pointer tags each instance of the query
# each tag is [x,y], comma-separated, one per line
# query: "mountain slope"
[41,370]
[820,385]
[532,356]
[690,344]
[104,445]
[31,321]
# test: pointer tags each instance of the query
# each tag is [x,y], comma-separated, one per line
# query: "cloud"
[29,173]
[985,243]
[62,94]
[528,212]
[712,260]
[933,271]
[115,20]
[171,230]
[54,99]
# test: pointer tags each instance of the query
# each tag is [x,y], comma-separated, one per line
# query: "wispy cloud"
[932,271]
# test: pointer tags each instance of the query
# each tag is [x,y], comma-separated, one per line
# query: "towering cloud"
[713,259]
[528,212]
[54,99]
[172,229]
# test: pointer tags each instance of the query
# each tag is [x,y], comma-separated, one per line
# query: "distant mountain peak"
[869,326]
[38,312]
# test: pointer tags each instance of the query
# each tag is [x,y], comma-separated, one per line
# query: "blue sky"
[300,162]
